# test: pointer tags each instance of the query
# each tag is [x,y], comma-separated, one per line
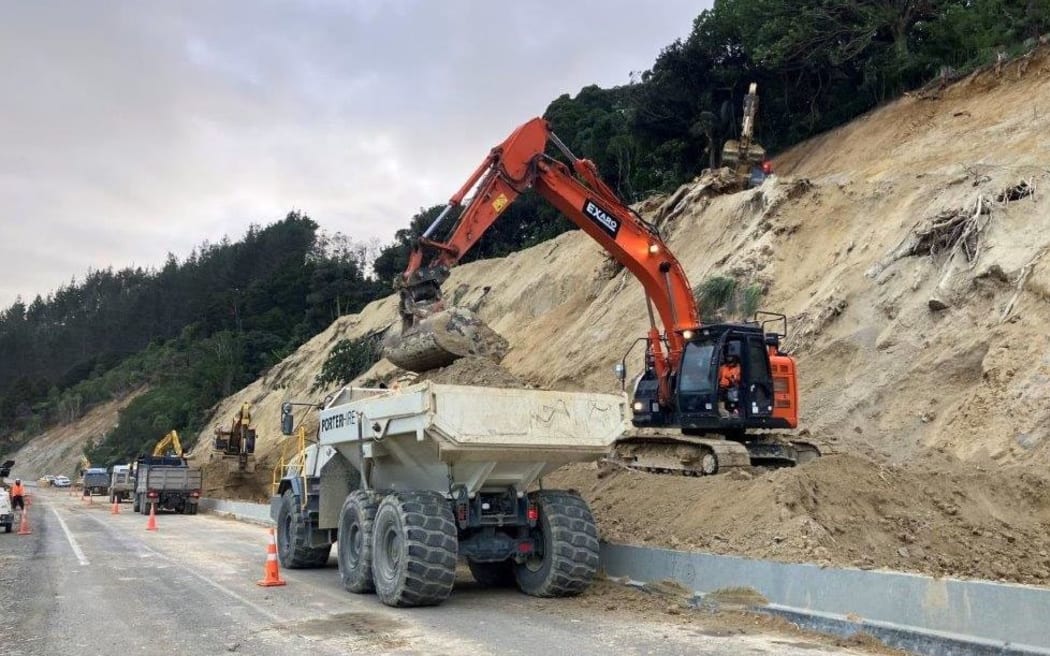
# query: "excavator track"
[688,455]
[677,454]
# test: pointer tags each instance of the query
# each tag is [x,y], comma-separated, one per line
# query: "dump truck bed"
[429,435]
[164,478]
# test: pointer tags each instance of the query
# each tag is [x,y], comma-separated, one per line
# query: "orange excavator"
[690,418]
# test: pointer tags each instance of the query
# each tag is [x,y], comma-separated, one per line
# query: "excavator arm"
[172,440]
[520,163]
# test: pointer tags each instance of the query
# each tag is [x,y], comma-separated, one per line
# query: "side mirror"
[287,419]
[621,372]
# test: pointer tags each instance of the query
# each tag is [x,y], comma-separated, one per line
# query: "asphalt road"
[87,581]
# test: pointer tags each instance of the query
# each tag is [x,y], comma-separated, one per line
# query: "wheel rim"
[534,563]
[391,551]
[354,545]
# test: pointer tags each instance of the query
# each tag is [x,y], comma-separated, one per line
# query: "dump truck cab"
[121,483]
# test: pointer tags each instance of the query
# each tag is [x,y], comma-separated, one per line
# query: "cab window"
[695,376]
[758,360]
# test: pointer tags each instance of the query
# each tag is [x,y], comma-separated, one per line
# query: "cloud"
[134,129]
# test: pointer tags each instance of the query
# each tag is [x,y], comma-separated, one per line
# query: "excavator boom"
[511,168]
[679,403]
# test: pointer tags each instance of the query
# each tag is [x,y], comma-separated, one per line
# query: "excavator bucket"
[442,338]
[734,154]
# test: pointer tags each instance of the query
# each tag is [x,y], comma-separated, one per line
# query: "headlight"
[638,406]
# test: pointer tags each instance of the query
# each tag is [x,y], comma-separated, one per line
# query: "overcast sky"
[132,129]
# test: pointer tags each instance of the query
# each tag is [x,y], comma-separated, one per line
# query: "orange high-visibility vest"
[729,375]
[18,490]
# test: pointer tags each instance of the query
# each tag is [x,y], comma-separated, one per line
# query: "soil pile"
[935,516]
[473,371]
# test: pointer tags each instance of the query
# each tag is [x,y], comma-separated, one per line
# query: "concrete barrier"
[938,617]
[246,511]
[921,614]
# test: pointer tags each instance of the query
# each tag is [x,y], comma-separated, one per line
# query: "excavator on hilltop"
[708,395]
[746,158]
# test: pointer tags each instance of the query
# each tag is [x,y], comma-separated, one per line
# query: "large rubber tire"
[191,509]
[493,575]
[570,547]
[7,528]
[414,549]
[135,504]
[353,549]
[144,505]
[293,551]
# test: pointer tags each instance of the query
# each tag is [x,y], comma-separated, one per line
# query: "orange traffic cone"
[272,573]
[23,526]
[151,524]
[116,507]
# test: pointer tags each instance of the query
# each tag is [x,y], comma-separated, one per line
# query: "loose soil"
[58,450]
[666,602]
[473,371]
[935,516]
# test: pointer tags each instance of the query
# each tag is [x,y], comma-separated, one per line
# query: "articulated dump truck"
[407,482]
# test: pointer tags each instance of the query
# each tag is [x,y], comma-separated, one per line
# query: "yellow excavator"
[746,158]
[236,445]
[169,445]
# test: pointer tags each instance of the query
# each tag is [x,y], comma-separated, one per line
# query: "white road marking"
[72,540]
[200,577]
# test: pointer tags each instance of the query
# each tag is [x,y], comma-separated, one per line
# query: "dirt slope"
[915,271]
[58,450]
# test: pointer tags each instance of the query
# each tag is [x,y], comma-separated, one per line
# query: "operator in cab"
[729,380]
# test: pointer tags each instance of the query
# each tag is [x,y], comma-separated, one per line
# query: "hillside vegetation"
[191,332]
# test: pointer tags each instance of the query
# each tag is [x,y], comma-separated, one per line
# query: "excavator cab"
[725,384]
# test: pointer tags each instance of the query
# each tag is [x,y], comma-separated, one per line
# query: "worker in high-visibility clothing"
[18,495]
[729,383]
